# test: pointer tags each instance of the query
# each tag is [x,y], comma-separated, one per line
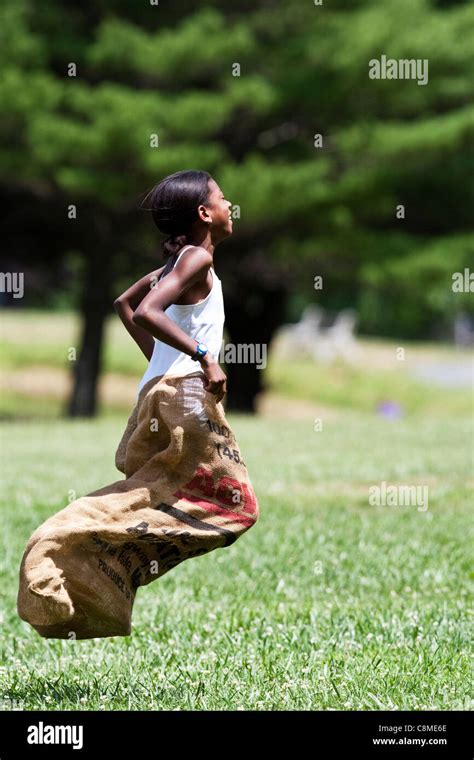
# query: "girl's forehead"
[214,187]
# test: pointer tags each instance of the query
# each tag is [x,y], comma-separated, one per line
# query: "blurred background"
[352,196]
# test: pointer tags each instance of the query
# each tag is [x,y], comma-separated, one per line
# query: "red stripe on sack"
[203,481]
[209,506]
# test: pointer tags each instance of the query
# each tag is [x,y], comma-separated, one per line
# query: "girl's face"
[219,211]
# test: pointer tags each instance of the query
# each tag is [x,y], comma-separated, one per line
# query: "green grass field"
[34,350]
[326,603]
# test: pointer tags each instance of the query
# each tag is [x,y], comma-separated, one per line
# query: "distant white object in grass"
[308,339]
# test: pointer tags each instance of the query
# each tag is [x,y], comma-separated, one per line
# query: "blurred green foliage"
[145,70]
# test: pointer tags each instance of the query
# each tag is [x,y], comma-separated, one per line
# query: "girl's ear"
[204,214]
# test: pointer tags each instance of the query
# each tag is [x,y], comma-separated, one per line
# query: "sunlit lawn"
[32,340]
[327,602]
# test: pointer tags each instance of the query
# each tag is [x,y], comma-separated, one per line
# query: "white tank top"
[203,321]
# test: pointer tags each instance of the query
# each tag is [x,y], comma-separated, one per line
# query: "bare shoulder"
[195,258]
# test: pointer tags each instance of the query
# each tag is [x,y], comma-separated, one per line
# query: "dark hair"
[173,204]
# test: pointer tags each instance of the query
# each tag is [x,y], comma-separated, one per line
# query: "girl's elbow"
[141,318]
[119,304]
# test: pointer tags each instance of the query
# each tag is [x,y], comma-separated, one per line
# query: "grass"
[326,603]
[364,388]
[31,340]
[31,337]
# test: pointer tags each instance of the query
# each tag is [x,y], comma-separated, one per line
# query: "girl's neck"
[204,240]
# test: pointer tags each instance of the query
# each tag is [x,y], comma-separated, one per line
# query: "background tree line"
[308,206]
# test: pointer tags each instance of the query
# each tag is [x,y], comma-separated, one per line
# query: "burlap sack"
[186,492]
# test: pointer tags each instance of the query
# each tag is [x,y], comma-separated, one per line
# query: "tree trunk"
[94,309]
[250,320]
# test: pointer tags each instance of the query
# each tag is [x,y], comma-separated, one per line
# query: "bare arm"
[150,315]
[126,304]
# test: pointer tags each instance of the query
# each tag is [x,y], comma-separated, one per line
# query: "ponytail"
[173,243]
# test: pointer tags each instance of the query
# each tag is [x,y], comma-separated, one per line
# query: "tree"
[275,100]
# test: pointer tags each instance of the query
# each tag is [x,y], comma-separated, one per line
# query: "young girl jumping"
[187,489]
[181,304]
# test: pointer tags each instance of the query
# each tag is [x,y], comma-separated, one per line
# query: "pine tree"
[365,182]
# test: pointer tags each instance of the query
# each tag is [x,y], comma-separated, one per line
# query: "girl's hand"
[216,379]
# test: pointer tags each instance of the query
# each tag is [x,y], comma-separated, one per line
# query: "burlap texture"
[186,492]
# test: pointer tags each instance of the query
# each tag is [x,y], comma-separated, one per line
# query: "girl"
[176,313]
[187,489]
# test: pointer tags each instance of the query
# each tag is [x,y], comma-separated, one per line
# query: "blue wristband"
[201,350]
